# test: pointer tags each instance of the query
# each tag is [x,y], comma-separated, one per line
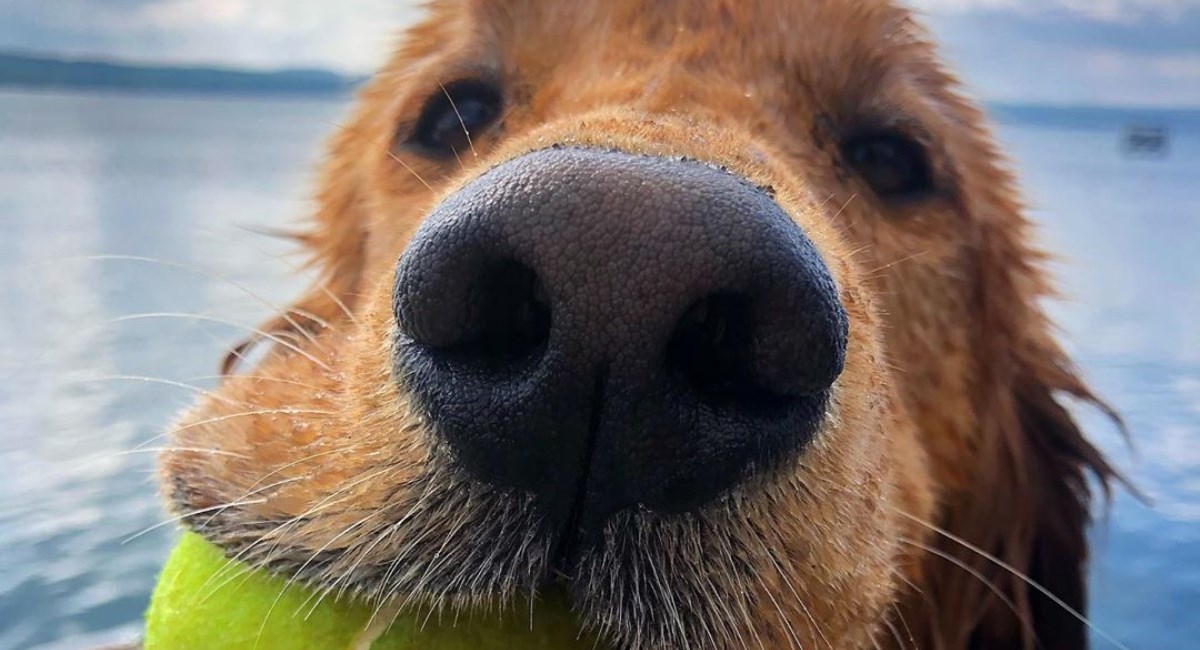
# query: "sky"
[1112,52]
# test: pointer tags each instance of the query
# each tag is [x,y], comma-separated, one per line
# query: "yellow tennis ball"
[205,601]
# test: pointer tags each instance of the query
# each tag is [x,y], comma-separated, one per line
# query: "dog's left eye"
[893,164]
[455,114]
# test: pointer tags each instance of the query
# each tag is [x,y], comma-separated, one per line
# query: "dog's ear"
[1059,460]
[334,244]
[1010,567]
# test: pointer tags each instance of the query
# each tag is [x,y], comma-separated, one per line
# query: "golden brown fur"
[947,414]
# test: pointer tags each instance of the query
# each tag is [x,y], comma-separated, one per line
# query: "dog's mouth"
[452,547]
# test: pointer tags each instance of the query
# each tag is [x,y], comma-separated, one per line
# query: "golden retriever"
[721,316]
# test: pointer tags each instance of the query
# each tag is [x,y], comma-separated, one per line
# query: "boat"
[1146,141]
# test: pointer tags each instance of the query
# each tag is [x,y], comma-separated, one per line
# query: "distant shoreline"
[21,71]
[42,73]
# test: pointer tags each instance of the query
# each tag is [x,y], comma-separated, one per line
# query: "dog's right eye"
[455,114]
[893,164]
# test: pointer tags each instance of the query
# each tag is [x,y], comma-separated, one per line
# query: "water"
[182,179]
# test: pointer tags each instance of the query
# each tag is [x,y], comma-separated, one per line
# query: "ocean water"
[127,222]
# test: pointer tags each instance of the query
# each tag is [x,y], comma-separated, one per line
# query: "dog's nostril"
[513,319]
[711,354]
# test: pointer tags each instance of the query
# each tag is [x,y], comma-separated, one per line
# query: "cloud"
[348,35]
[1106,10]
[1060,51]
[1122,52]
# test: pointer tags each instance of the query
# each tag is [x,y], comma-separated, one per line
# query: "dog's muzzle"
[606,330]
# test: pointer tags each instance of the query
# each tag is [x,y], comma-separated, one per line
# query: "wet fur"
[948,415]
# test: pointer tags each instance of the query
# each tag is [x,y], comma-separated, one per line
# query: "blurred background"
[143,142]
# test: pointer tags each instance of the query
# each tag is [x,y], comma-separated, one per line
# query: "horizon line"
[355,79]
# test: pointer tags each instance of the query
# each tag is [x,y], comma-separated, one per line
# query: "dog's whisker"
[249,493]
[400,556]
[158,381]
[345,575]
[661,585]
[723,630]
[854,253]
[747,619]
[332,499]
[324,289]
[783,574]
[256,378]
[215,510]
[412,171]
[908,258]
[461,123]
[783,618]
[296,269]
[191,450]
[461,165]
[232,416]
[215,276]
[296,575]
[242,556]
[308,314]
[301,461]
[842,209]
[181,517]
[975,574]
[1012,571]
[87,462]
[108,457]
[245,414]
[891,627]
[278,340]
[907,630]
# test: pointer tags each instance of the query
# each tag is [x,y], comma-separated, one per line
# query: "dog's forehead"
[765,27]
[821,44]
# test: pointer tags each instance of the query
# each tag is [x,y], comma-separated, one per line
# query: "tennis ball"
[205,601]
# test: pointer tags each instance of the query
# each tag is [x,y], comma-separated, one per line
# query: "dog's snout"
[607,330]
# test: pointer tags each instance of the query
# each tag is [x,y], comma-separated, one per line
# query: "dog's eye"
[455,114]
[893,164]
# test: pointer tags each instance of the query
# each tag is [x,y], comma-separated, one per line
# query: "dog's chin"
[451,544]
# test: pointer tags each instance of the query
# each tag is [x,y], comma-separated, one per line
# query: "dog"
[722,316]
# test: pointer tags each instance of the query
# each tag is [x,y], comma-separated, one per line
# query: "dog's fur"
[948,479]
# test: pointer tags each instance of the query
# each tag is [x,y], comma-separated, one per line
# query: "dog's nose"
[606,330]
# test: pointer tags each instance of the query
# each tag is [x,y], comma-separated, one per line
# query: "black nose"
[607,330]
